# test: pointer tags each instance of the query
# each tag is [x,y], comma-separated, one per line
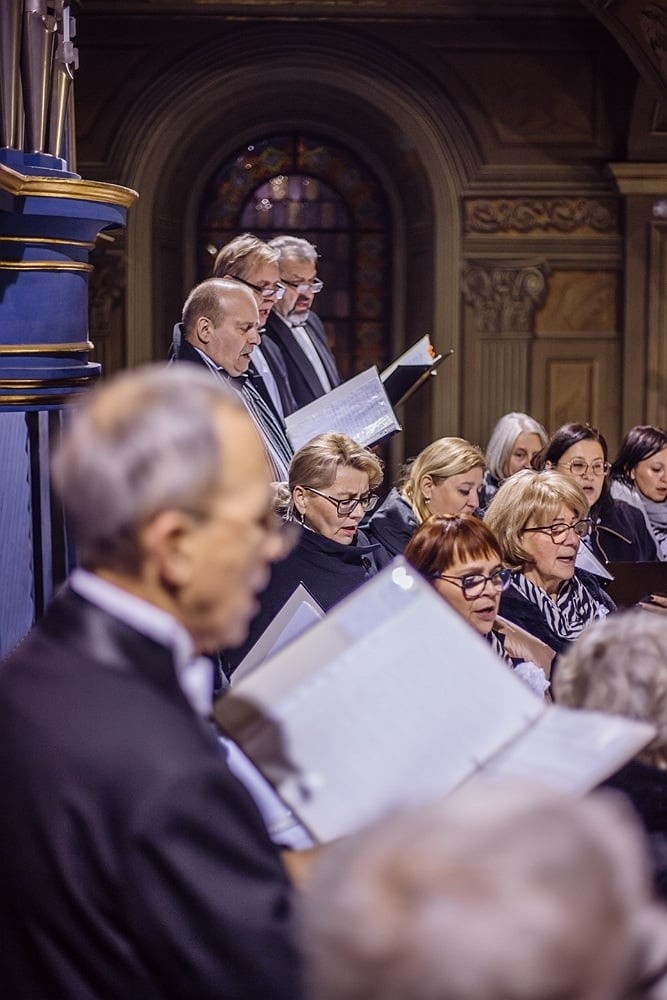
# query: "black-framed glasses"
[348,505]
[559,531]
[303,287]
[578,467]
[474,584]
[266,291]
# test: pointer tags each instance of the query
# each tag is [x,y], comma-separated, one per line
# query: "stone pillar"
[504,297]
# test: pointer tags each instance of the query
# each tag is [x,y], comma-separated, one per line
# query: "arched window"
[311,187]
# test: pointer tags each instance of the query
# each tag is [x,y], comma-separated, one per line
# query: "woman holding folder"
[332,484]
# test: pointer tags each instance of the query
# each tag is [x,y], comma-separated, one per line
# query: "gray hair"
[503,437]
[295,246]
[142,443]
[619,666]
[497,891]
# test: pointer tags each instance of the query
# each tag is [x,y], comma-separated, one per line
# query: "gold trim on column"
[72,348]
[43,383]
[25,186]
[48,241]
[44,265]
[58,399]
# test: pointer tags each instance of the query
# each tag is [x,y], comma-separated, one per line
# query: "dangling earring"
[427,500]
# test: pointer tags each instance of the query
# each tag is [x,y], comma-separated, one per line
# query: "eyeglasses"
[559,530]
[303,287]
[349,504]
[266,291]
[474,584]
[579,468]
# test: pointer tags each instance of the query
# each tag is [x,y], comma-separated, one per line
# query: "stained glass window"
[311,187]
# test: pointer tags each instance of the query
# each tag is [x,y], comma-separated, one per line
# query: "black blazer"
[133,864]
[303,380]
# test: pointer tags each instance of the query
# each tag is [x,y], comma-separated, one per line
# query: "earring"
[427,500]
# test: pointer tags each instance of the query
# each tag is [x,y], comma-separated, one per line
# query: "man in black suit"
[255,264]
[133,865]
[299,333]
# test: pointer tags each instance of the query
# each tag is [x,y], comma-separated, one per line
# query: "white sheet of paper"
[358,408]
[298,613]
[421,353]
[571,749]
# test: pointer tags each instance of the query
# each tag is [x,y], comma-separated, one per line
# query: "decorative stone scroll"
[504,296]
[521,215]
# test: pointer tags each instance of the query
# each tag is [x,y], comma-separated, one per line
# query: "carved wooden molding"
[505,296]
[529,215]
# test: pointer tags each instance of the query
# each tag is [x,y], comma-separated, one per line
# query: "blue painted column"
[49,221]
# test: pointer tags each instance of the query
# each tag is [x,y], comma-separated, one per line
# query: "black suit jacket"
[302,377]
[274,359]
[132,863]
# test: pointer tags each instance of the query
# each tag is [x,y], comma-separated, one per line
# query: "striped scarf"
[570,613]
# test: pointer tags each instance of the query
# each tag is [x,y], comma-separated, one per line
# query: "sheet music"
[393,699]
[299,612]
[571,749]
[358,408]
[388,718]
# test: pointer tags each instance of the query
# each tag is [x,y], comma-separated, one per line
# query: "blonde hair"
[241,254]
[619,666]
[525,495]
[317,463]
[448,456]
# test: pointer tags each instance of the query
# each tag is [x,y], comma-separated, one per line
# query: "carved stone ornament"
[520,215]
[653,23]
[106,290]
[504,296]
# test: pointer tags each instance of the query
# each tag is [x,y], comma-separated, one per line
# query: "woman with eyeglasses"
[332,484]
[460,556]
[444,478]
[618,531]
[639,476]
[539,519]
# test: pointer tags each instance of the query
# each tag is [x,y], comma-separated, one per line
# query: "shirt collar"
[194,674]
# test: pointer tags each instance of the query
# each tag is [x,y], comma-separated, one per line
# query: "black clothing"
[133,864]
[392,525]
[518,609]
[303,379]
[619,532]
[328,570]
[646,787]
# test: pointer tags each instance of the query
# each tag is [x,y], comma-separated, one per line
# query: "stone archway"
[377,104]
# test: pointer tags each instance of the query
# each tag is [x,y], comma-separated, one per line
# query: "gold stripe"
[25,186]
[84,345]
[29,400]
[37,383]
[44,265]
[47,241]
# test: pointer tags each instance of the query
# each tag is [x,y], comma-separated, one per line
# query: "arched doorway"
[311,186]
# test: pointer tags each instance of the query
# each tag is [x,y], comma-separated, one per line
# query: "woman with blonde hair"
[539,519]
[332,484]
[445,478]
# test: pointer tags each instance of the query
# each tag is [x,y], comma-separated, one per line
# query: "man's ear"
[166,543]
[203,329]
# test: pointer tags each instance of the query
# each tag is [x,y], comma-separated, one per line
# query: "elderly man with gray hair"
[295,328]
[133,864]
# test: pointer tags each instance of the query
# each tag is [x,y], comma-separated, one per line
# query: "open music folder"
[392,699]
[411,370]
[358,408]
